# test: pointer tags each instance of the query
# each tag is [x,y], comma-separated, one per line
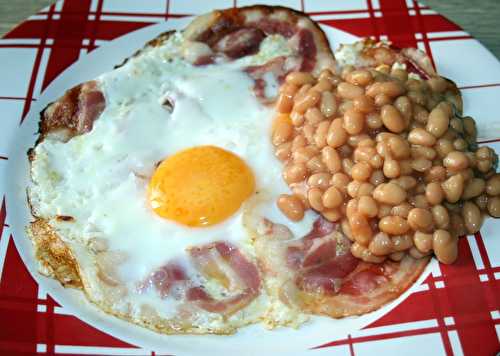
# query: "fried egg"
[177,158]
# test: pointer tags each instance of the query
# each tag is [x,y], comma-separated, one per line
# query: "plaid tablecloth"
[455,311]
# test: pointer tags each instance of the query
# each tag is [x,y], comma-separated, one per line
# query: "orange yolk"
[200,186]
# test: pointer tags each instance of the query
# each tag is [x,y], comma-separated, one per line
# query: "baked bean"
[434,193]
[406,167]
[381,245]
[294,173]
[405,182]
[315,165]
[331,159]
[299,95]
[376,161]
[283,151]
[438,122]
[298,142]
[332,215]
[363,104]
[382,99]
[482,201]
[353,121]
[337,135]
[419,201]
[402,242]
[309,130]
[344,106]
[313,116]
[423,152]
[354,140]
[453,188]
[394,225]
[392,118]
[297,118]
[282,131]
[420,114]
[402,210]
[494,206]
[421,165]
[347,165]
[367,206]
[361,252]
[349,91]
[417,97]
[460,144]
[332,198]
[359,77]
[456,161]
[423,241]
[291,206]
[314,196]
[457,225]
[299,78]
[360,229]
[484,165]
[397,256]
[435,174]
[361,171]
[421,137]
[326,74]
[420,219]
[310,99]
[377,178]
[319,180]
[323,85]
[405,107]
[420,188]
[284,104]
[374,121]
[437,84]
[383,56]
[321,133]
[472,217]
[340,181]
[400,149]
[470,127]
[391,168]
[304,154]
[400,74]
[493,185]
[415,253]
[328,104]
[392,89]
[364,154]
[389,193]
[351,207]
[473,188]
[353,188]
[365,189]
[444,246]
[443,147]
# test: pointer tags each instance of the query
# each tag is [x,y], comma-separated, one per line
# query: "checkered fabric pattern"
[457,308]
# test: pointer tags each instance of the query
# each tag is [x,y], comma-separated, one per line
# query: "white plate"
[249,340]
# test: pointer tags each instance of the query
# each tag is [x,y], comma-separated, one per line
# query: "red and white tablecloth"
[457,308]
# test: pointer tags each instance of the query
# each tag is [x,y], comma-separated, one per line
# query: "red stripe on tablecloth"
[422,28]
[14,98]
[4,158]
[36,65]
[94,25]
[397,24]
[69,32]
[3,215]
[471,310]
[450,38]
[16,283]
[480,86]
[490,141]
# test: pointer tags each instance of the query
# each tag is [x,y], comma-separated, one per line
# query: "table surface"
[465,13]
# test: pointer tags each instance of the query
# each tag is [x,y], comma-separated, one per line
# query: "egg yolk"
[200,186]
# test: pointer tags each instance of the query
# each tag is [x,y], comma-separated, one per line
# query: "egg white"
[100,178]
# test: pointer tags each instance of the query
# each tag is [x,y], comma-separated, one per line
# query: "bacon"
[364,281]
[165,278]
[270,27]
[240,43]
[75,111]
[307,49]
[275,67]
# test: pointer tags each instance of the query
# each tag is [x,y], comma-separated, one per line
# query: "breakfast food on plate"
[235,172]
